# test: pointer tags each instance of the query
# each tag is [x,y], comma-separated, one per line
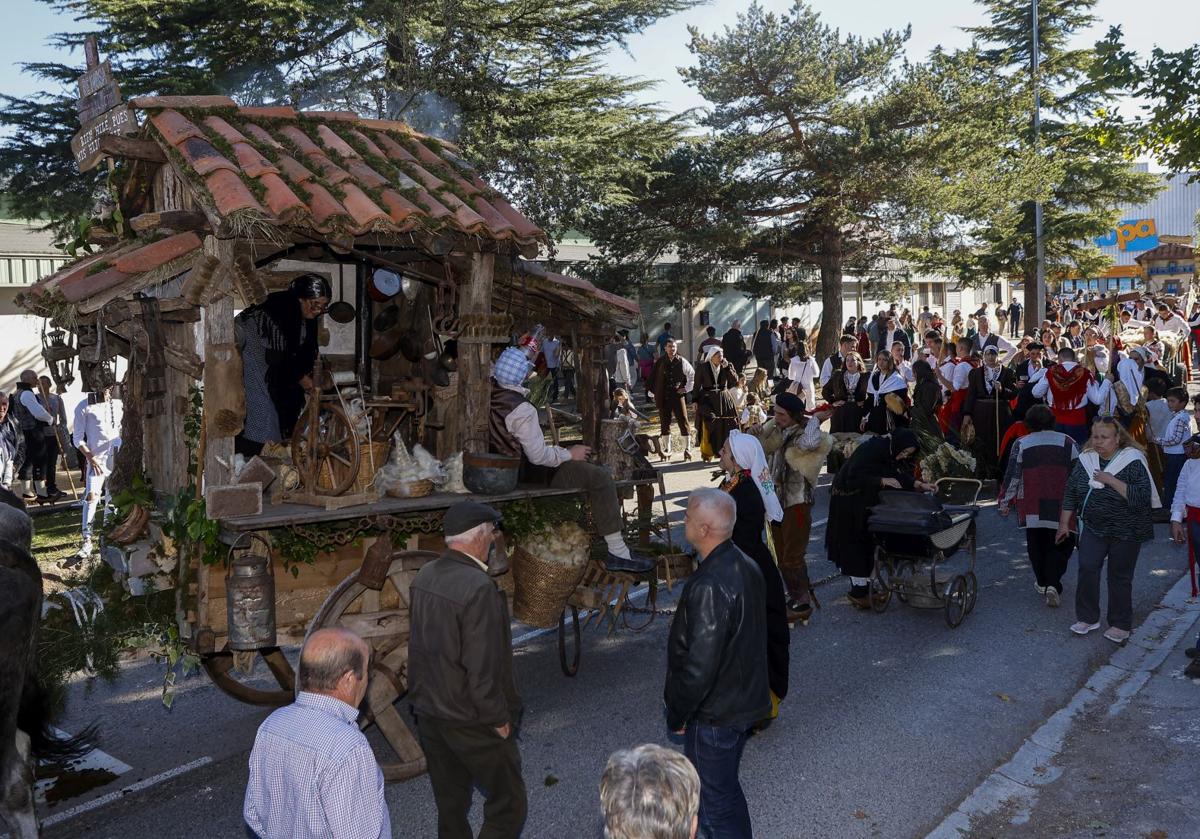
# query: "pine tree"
[519,85]
[827,153]
[1089,171]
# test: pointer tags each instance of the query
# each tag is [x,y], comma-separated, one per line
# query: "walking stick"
[62,455]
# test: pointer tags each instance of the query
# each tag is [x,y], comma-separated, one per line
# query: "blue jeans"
[1172,466]
[716,752]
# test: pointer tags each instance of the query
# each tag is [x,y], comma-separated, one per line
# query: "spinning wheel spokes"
[326,451]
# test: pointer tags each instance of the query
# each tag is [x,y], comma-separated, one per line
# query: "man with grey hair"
[716,686]
[312,772]
[460,680]
[649,792]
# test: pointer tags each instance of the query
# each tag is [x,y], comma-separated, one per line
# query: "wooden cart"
[227,204]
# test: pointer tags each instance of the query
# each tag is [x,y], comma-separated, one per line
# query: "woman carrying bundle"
[887,397]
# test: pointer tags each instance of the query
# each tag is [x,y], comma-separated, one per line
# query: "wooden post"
[218,333]
[475,363]
[585,379]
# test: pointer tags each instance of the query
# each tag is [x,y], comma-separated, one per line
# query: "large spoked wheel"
[957,599]
[220,668]
[572,668]
[881,582]
[381,618]
[325,451]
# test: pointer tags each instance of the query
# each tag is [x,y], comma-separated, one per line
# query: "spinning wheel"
[325,449]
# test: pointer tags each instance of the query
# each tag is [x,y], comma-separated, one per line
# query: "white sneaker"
[1039,589]
[1053,598]
[1082,628]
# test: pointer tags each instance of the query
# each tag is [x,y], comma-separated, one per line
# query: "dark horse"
[26,734]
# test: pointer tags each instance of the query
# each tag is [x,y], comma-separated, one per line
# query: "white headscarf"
[748,454]
[710,351]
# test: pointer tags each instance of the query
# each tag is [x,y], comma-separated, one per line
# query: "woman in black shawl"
[926,399]
[846,393]
[763,347]
[879,463]
[716,415]
[278,340]
[748,481]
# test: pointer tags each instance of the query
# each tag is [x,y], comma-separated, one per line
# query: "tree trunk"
[831,296]
[1033,318]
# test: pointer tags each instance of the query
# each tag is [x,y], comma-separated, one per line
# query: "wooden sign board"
[86,144]
[92,106]
[94,79]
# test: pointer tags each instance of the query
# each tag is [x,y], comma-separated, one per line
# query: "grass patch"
[56,536]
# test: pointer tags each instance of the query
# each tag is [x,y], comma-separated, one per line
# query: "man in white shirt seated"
[513,430]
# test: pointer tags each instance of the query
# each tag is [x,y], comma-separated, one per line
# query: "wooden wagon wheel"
[219,666]
[325,446]
[385,627]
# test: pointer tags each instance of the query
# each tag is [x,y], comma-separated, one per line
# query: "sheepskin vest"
[794,469]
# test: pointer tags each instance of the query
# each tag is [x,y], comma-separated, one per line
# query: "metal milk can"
[250,598]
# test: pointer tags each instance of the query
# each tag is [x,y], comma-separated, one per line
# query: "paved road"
[892,719]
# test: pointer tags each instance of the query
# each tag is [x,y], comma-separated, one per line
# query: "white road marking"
[105,800]
[93,760]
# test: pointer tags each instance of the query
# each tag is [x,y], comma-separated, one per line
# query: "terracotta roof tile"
[252,161]
[84,287]
[204,156]
[323,205]
[300,140]
[299,160]
[293,170]
[148,103]
[260,135]
[224,130]
[175,127]
[158,253]
[269,111]
[365,212]
[281,201]
[1167,250]
[229,193]
[335,143]
[366,141]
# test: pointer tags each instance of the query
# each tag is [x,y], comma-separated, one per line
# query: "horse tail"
[46,744]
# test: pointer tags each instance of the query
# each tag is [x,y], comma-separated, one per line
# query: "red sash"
[1069,390]
[1192,517]
[950,413]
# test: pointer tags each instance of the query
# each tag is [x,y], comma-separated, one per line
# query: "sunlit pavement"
[891,721]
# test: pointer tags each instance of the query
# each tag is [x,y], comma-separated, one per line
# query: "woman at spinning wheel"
[749,482]
[278,342]
[879,463]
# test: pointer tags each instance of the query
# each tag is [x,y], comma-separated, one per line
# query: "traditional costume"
[887,402]
[513,430]
[926,400]
[850,389]
[951,414]
[990,389]
[855,490]
[715,412]
[1067,387]
[757,505]
[672,380]
[797,453]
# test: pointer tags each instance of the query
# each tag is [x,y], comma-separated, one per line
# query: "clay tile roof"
[129,265]
[329,171]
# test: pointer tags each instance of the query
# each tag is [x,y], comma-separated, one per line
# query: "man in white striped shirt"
[312,772]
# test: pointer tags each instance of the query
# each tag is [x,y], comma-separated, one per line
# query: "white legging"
[93,490]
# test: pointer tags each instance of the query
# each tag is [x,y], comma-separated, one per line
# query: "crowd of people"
[36,436]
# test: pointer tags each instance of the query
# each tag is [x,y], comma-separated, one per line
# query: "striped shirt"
[1104,512]
[313,775]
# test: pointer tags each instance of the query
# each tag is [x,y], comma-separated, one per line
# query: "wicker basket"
[542,588]
[411,489]
[371,456]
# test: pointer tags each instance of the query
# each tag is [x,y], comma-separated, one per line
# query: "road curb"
[1014,785]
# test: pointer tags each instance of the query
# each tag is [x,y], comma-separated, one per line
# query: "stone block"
[233,500]
[258,471]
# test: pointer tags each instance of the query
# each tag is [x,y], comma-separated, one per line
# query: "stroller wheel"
[972,591]
[956,601]
[881,587]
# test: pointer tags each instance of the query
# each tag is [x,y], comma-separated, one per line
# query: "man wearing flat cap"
[796,448]
[460,680]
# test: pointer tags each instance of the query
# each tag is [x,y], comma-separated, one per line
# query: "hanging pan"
[384,284]
[341,311]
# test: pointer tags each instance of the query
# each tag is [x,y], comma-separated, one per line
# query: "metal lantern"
[250,598]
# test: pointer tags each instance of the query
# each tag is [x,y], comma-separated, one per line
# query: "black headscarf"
[903,438]
[310,287]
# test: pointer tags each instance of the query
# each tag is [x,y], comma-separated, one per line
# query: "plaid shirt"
[313,775]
